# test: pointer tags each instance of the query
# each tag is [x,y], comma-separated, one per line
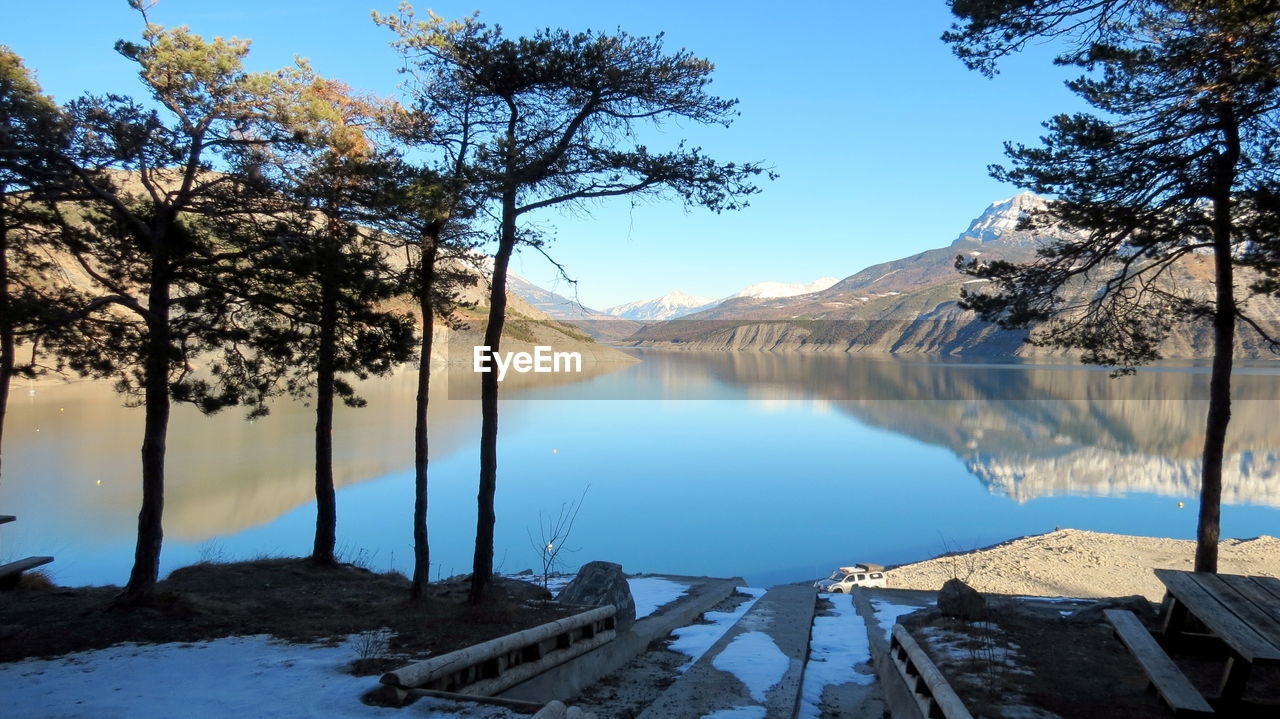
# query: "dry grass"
[292,599]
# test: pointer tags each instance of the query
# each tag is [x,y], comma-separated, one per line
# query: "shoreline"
[1081,563]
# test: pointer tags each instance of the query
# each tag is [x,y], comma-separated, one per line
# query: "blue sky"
[880,135]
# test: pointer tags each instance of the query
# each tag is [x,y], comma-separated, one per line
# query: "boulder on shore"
[599,583]
[959,600]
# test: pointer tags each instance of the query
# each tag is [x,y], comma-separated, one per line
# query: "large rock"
[959,600]
[600,583]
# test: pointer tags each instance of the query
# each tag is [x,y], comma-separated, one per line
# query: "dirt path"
[1076,563]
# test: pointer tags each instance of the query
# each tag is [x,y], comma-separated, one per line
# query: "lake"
[773,467]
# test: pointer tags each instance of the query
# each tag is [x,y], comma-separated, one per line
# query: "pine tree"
[1175,170]
[427,214]
[555,116]
[32,129]
[161,210]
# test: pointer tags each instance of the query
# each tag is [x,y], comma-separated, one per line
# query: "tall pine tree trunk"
[482,566]
[1208,529]
[146,558]
[421,549]
[6,322]
[326,502]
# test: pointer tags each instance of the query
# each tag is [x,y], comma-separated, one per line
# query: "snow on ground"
[981,642]
[696,639]
[236,676]
[887,614]
[837,644]
[650,593]
[554,582]
[755,660]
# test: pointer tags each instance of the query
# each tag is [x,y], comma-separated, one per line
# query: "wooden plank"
[419,674]
[943,695]
[1258,620]
[11,573]
[1271,584]
[1249,589]
[1174,687]
[6,518]
[23,565]
[1205,607]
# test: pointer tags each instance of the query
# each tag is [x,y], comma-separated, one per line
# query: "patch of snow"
[984,643]
[695,639]
[650,593]
[755,660]
[837,644]
[738,713]
[555,582]
[236,676]
[969,282]
[887,614]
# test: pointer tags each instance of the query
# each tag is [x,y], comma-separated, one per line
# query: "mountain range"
[909,305]
[673,305]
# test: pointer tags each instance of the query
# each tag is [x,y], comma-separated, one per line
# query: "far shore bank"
[1079,563]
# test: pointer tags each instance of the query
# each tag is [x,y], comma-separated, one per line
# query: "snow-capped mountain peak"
[669,306]
[1000,219]
[766,290]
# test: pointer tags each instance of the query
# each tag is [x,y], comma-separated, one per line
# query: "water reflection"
[757,486]
[71,453]
[1029,431]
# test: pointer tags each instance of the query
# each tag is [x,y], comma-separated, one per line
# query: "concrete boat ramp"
[793,654]
[755,669]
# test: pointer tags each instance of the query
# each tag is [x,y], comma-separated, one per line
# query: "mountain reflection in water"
[709,485]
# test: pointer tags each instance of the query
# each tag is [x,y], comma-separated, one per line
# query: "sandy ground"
[1076,563]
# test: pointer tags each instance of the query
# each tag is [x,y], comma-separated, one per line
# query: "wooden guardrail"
[935,697]
[490,667]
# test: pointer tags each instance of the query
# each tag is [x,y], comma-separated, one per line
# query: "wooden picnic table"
[1244,612]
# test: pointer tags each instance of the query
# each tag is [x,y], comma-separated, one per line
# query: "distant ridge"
[909,306]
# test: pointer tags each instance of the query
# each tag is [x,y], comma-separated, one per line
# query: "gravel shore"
[1077,563]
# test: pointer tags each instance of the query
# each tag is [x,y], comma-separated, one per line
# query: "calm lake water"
[772,467]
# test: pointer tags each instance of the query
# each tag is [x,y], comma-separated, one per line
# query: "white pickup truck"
[845,578]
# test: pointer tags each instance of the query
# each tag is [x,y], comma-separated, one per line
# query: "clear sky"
[880,135]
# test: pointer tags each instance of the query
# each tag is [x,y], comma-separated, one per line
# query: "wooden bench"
[12,572]
[1172,685]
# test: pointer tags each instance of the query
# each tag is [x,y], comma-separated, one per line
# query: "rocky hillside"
[526,326]
[597,324]
[907,306]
